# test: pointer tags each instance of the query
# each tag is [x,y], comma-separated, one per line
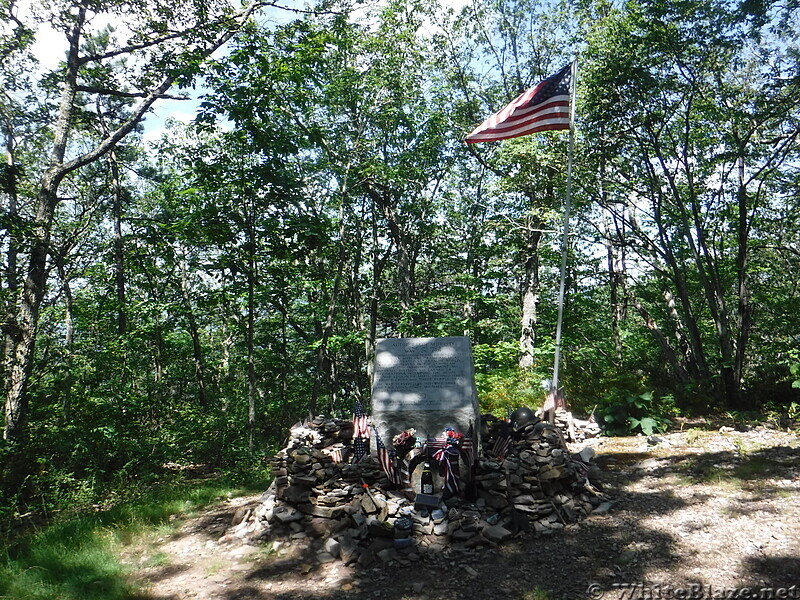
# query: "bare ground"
[701,514]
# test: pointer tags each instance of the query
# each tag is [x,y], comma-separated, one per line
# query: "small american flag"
[503,442]
[360,421]
[360,448]
[386,459]
[336,454]
[468,446]
[437,443]
[545,106]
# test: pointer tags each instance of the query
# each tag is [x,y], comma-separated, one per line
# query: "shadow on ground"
[605,556]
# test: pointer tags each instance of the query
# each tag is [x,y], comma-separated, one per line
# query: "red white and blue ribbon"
[448,466]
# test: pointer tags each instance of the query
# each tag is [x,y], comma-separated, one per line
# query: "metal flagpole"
[566,229]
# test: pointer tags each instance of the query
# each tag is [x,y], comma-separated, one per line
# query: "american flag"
[502,446]
[336,454]
[468,446]
[360,448]
[503,442]
[360,421]
[545,106]
[386,460]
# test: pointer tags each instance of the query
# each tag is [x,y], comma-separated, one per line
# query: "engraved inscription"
[423,374]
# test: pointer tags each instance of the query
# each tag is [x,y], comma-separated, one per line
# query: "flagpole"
[564,241]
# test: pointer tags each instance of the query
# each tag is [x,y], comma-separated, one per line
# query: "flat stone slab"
[424,383]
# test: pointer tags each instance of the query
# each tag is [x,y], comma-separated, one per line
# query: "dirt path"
[700,514]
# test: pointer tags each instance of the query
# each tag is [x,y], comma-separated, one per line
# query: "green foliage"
[623,413]
[77,556]
[794,369]
[338,201]
[501,384]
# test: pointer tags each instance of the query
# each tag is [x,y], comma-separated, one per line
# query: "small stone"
[366,558]
[332,547]
[603,508]
[378,528]
[647,464]
[496,534]
[328,512]
[387,555]
[240,515]
[368,504]
[470,571]
[347,548]
[286,514]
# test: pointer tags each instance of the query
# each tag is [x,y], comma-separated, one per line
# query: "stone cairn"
[351,509]
[574,429]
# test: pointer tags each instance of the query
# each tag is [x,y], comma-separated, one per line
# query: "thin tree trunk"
[11,275]
[119,258]
[616,282]
[251,361]
[744,313]
[667,350]
[69,337]
[194,332]
[323,360]
[378,264]
[530,294]
[405,276]
[615,248]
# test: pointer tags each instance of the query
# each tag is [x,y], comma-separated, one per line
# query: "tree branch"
[109,92]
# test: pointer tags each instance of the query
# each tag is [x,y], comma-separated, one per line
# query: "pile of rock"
[352,509]
[573,428]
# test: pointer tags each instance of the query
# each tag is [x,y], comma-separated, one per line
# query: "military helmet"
[522,417]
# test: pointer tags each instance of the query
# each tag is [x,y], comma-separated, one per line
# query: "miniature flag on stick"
[468,446]
[386,459]
[544,107]
[360,432]
[503,442]
[360,421]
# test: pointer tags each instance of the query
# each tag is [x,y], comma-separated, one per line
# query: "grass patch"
[536,593]
[78,557]
[214,567]
[159,559]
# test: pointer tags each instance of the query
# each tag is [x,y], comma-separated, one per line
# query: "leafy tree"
[164,56]
[700,114]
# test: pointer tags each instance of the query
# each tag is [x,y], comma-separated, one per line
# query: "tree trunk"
[24,329]
[667,350]
[530,293]
[323,360]
[119,258]
[69,336]
[614,225]
[194,332]
[28,316]
[251,360]
[11,275]
[744,314]
[405,276]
